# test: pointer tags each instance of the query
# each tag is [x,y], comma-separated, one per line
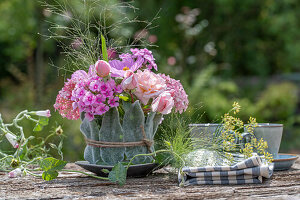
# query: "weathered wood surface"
[160,185]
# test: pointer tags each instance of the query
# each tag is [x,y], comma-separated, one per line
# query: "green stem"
[154,153]
[97,177]
[33,174]
[35,170]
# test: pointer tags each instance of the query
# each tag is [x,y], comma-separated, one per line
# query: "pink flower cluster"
[64,103]
[87,93]
[95,92]
[165,91]
[94,96]
[178,93]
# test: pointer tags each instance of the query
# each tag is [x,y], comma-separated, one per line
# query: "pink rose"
[149,85]
[130,81]
[163,103]
[102,68]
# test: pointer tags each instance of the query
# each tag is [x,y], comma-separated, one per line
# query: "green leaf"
[43,121]
[53,145]
[38,127]
[52,164]
[106,171]
[118,174]
[124,98]
[104,50]
[49,175]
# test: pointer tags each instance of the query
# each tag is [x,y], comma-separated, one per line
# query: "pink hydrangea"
[64,104]
[178,93]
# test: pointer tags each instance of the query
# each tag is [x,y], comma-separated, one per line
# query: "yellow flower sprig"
[232,136]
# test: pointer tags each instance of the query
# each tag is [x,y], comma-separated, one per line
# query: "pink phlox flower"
[101,109]
[113,102]
[104,87]
[79,75]
[89,98]
[89,116]
[100,99]
[107,93]
[95,86]
[118,89]
[78,92]
[146,56]
[111,83]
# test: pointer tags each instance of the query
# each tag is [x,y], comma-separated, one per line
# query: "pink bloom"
[95,86]
[102,68]
[149,85]
[112,54]
[107,93]
[89,116]
[64,100]
[163,103]
[101,109]
[15,173]
[104,87]
[89,98]
[130,81]
[100,98]
[44,113]
[175,88]
[118,89]
[152,39]
[113,102]
[12,140]
[78,92]
[171,60]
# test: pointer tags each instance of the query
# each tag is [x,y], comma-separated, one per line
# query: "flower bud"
[129,82]
[102,68]
[43,113]
[15,173]
[59,130]
[14,163]
[12,140]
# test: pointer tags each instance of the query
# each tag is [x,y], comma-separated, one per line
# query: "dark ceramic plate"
[284,161]
[140,170]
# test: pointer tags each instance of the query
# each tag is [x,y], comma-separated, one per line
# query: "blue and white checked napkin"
[251,170]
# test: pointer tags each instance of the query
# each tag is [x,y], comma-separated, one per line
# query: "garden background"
[221,50]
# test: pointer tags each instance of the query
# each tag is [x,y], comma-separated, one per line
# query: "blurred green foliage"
[222,51]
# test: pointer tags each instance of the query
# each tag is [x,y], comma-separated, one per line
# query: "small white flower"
[44,113]
[12,140]
[15,173]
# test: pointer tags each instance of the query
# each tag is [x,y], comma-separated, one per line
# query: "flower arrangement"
[120,101]
[128,78]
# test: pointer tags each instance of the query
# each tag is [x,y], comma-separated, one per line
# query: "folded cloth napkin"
[247,171]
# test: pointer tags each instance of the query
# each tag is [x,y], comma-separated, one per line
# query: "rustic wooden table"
[160,185]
